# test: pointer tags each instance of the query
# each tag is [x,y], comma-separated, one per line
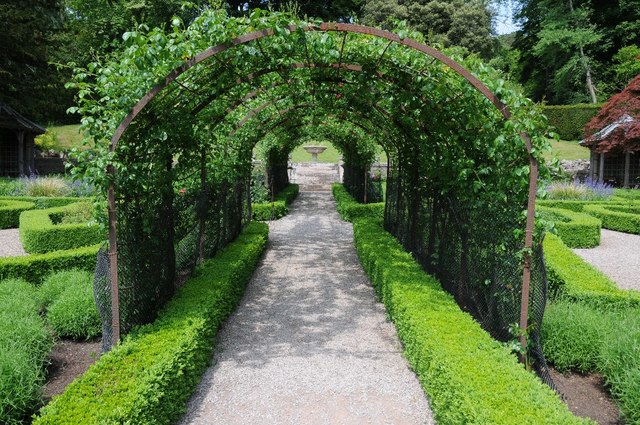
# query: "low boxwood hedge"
[35,268]
[10,212]
[577,230]
[42,202]
[148,378]
[576,206]
[279,208]
[468,376]
[623,218]
[24,346]
[39,234]
[571,277]
[349,209]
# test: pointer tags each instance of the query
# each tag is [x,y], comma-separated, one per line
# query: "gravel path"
[617,256]
[308,343]
[10,245]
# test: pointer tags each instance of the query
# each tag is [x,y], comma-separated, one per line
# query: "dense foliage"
[568,121]
[626,136]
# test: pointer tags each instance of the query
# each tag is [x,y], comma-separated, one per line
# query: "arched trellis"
[325,27]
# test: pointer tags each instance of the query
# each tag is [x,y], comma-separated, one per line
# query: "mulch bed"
[586,396]
[69,359]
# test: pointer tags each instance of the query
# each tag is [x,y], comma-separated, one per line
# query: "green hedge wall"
[623,218]
[350,210]
[40,235]
[35,268]
[10,212]
[577,230]
[263,212]
[572,277]
[149,377]
[42,202]
[569,120]
[469,377]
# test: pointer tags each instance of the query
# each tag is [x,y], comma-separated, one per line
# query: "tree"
[448,22]
[341,10]
[27,82]
[626,136]
[565,40]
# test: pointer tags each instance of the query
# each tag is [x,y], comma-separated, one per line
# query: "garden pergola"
[185,105]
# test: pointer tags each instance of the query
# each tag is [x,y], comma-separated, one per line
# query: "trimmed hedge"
[148,378]
[10,213]
[571,277]
[575,206]
[42,202]
[623,218]
[279,208]
[632,194]
[569,120]
[35,268]
[39,234]
[349,209]
[468,376]
[577,230]
[24,346]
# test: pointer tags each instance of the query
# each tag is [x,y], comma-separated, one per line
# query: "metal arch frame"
[324,27]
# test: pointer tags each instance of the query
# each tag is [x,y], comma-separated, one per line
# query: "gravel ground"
[10,245]
[617,256]
[308,343]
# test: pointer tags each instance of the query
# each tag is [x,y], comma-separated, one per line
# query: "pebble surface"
[308,343]
[10,245]
[617,256]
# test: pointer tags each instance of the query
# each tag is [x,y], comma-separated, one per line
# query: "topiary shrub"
[569,120]
[35,268]
[277,209]
[43,231]
[42,202]
[24,346]
[623,218]
[350,210]
[577,230]
[10,212]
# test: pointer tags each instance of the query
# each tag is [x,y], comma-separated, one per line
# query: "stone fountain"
[314,151]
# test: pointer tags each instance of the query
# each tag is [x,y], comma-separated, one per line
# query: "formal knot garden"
[476,273]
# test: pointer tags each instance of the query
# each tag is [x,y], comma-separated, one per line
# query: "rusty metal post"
[528,246]
[202,218]
[113,261]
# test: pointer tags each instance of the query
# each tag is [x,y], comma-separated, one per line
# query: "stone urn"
[314,151]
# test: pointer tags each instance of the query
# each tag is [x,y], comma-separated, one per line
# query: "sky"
[504,19]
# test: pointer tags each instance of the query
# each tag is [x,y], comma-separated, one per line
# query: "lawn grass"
[331,155]
[567,149]
[67,136]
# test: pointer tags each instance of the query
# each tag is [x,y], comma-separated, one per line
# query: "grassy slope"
[565,149]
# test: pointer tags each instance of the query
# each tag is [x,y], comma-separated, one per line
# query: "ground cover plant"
[45,186]
[579,337]
[580,191]
[24,346]
[149,377]
[68,301]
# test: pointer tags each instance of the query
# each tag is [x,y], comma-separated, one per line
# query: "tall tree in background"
[565,43]
[328,10]
[27,42]
[465,23]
